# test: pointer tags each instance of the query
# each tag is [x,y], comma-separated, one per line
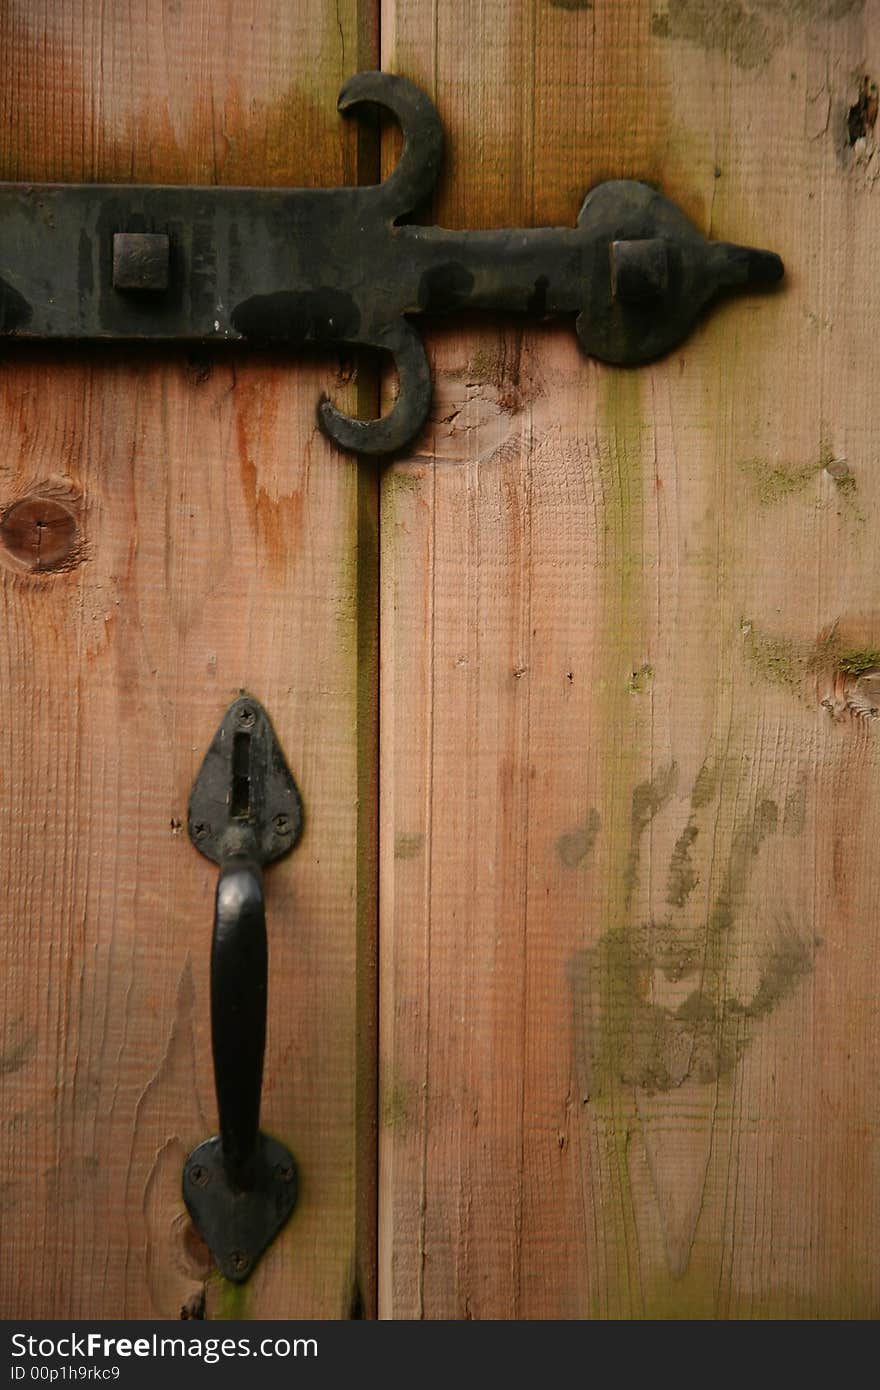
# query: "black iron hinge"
[299,267]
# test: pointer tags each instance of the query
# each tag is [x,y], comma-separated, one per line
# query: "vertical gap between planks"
[364,1300]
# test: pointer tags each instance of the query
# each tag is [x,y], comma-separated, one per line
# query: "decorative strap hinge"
[333,267]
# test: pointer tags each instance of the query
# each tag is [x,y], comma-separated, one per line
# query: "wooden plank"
[629,792]
[203,538]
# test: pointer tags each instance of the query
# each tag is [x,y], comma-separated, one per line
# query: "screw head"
[201,830]
[282,824]
[246,716]
[283,1172]
[199,1175]
[239,1260]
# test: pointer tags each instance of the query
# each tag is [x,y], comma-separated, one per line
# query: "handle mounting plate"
[238,1225]
[245,787]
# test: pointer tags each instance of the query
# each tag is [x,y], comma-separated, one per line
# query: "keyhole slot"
[240,796]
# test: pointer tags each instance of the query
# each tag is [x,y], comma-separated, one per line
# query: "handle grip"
[239,980]
[244,811]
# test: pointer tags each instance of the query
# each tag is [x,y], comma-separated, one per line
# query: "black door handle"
[245,810]
[239,970]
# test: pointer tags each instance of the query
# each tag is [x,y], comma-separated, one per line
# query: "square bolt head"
[639,270]
[140,261]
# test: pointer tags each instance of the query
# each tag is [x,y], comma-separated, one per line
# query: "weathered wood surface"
[629,769]
[174,530]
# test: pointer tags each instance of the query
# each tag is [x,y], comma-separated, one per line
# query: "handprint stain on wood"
[574,845]
[683,877]
[648,798]
[664,1010]
[746,842]
[629,1040]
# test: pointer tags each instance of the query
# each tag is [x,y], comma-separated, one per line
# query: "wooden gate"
[619,630]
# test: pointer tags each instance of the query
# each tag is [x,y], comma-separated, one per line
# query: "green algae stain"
[573,846]
[622,438]
[622,483]
[844,481]
[640,680]
[779,660]
[396,1106]
[483,365]
[774,481]
[233,1301]
[408,844]
[693,1296]
[858,660]
[788,661]
[698,1295]
[402,478]
[623,447]
[795,813]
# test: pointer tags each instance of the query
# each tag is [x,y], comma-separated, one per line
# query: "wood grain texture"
[629,765]
[217,543]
